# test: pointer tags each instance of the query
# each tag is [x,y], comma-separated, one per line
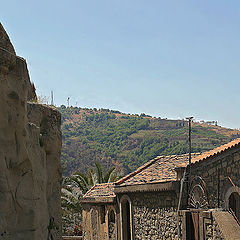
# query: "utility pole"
[68,99]
[189,151]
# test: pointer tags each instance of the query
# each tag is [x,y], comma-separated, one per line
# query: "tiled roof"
[216,151]
[100,192]
[160,169]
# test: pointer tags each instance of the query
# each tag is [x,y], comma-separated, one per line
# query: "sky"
[170,59]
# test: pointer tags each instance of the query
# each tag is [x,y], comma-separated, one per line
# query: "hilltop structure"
[149,203]
[30,147]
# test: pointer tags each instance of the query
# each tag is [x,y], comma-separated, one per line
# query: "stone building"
[158,202]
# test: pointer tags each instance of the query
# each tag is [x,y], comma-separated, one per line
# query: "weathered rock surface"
[30,146]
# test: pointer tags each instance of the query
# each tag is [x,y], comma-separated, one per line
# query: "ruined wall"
[30,145]
[154,215]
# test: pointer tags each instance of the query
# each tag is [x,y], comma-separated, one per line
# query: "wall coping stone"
[149,187]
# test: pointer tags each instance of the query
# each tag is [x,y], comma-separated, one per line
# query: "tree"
[84,182]
[74,187]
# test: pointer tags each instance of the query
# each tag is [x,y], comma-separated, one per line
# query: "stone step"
[227,224]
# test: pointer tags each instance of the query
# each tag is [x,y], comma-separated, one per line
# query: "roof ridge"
[144,166]
[98,184]
[92,188]
[101,190]
[109,183]
[217,150]
[138,170]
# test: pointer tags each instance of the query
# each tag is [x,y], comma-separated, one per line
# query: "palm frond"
[109,173]
[99,172]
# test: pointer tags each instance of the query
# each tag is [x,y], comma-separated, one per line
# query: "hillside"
[128,141]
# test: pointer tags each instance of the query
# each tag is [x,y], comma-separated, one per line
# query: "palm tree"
[75,186]
[84,182]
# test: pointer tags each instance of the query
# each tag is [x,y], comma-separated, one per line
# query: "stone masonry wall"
[154,215]
[215,171]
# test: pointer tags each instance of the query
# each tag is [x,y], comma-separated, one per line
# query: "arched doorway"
[126,219]
[111,225]
[234,204]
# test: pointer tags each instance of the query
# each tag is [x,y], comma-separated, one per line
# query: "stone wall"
[212,175]
[215,171]
[30,169]
[154,215]
[97,224]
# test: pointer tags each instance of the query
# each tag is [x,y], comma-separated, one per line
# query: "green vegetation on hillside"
[127,141]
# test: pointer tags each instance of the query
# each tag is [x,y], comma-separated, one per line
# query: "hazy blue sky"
[163,57]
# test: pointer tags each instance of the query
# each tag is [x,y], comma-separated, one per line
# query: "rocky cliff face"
[30,146]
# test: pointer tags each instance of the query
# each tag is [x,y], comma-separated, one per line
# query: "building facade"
[161,201]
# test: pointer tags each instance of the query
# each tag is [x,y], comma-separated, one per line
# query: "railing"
[234,215]
[233,185]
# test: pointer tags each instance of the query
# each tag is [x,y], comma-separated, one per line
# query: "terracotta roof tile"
[216,151]
[160,169]
[101,190]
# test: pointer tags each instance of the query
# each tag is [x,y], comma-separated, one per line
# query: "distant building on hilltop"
[209,122]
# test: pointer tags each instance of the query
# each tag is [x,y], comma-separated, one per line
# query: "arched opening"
[126,219]
[111,225]
[234,204]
